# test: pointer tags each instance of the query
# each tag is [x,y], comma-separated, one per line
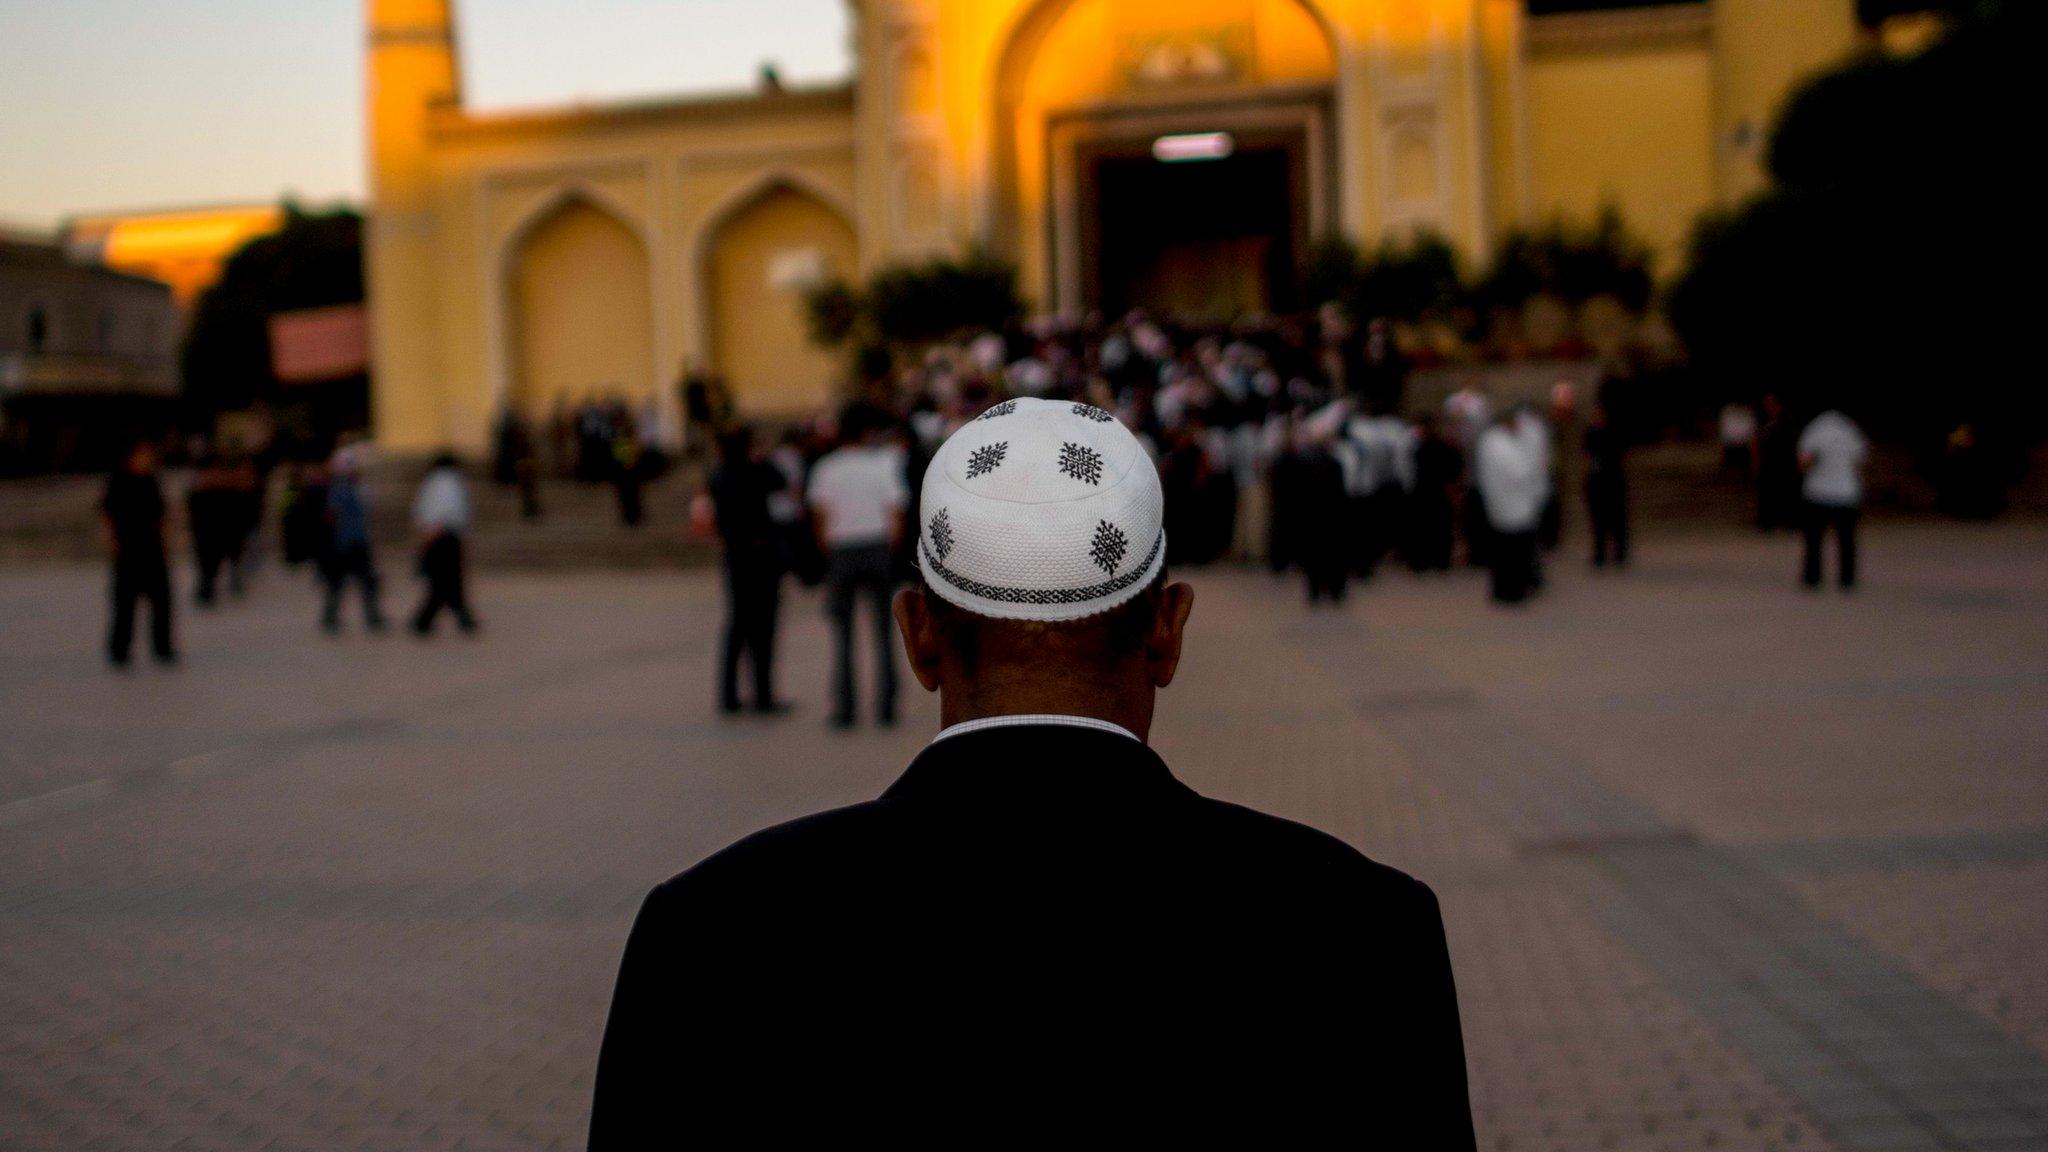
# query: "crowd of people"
[1289,444]
[1282,444]
[599,440]
[325,523]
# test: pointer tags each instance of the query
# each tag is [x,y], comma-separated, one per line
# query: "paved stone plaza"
[1724,865]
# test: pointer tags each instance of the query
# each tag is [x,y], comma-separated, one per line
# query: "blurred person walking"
[303,522]
[225,509]
[796,537]
[132,512]
[1832,451]
[440,517]
[742,488]
[1037,921]
[345,554]
[1513,484]
[1607,486]
[1432,507]
[1286,476]
[1384,450]
[213,515]
[857,495]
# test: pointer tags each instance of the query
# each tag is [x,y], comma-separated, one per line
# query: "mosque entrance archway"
[1085,89]
[1207,223]
[758,259]
[582,312]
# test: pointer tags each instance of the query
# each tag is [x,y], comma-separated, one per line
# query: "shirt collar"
[1033,719]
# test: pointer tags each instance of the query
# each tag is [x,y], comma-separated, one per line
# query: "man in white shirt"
[1831,455]
[857,495]
[1513,484]
[440,517]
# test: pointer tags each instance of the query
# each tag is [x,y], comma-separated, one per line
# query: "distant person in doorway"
[742,489]
[1607,487]
[858,494]
[1832,451]
[1513,481]
[1038,926]
[347,555]
[628,473]
[132,511]
[516,463]
[440,517]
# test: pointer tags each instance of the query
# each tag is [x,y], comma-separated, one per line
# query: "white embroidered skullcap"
[1041,510]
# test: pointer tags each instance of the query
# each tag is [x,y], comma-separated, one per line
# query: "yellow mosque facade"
[1175,154]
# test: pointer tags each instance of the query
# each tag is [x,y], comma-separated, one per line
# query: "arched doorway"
[582,312]
[1179,157]
[759,257]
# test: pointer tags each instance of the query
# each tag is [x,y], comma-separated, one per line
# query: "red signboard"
[319,343]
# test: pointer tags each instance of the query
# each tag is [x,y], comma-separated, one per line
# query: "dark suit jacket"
[1036,928]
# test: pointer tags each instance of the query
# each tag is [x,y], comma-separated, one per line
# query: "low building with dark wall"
[88,359]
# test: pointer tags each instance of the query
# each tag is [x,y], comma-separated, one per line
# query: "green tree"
[1891,265]
[313,261]
[1409,280]
[1572,261]
[905,305]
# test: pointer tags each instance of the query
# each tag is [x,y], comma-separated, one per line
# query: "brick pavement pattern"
[1724,865]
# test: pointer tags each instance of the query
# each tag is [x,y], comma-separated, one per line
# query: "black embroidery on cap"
[1005,595]
[941,534]
[1109,546]
[986,459]
[1093,413]
[1081,463]
[1003,409]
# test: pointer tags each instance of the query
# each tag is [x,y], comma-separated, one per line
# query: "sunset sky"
[114,104]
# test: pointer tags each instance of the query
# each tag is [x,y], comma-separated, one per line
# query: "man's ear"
[921,643]
[1169,627]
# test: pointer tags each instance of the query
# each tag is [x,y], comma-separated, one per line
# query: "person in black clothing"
[211,515]
[740,487]
[1607,487]
[1037,926]
[133,512]
[1432,513]
[628,474]
[1321,522]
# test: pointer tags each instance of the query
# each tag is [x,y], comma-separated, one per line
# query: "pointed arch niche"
[756,255]
[580,314]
